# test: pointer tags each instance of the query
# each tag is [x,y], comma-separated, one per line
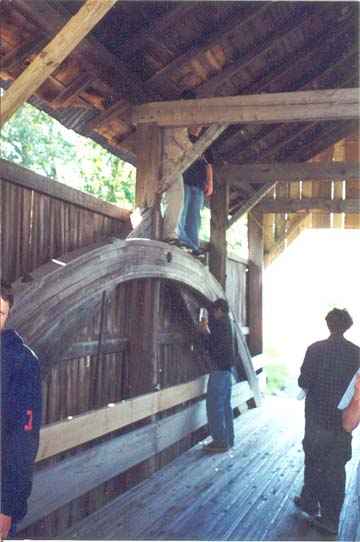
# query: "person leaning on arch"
[218,333]
[20,419]
[328,368]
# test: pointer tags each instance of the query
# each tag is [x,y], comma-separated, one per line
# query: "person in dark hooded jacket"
[20,420]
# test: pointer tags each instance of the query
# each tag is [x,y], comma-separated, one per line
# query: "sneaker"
[213,448]
[171,241]
[311,510]
[324,524]
[198,253]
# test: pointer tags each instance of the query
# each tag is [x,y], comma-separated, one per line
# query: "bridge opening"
[318,271]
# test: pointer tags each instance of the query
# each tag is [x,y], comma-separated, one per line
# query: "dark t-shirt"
[221,343]
[195,175]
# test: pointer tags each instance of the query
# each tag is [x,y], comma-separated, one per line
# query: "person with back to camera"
[325,374]
[20,420]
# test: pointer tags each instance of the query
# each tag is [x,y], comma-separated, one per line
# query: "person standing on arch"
[328,368]
[20,419]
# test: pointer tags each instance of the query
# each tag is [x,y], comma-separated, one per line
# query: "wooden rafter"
[203,45]
[306,55]
[53,55]
[250,203]
[316,105]
[289,171]
[326,137]
[276,248]
[275,151]
[292,24]
[155,27]
[310,204]
[19,54]
[52,18]
[80,83]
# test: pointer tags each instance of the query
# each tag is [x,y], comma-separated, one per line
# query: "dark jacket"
[20,422]
[326,372]
[195,175]
[221,343]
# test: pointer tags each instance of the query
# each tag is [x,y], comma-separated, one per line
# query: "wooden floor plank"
[245,494]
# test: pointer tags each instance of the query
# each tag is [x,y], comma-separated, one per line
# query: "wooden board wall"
[281,229]
[36,227]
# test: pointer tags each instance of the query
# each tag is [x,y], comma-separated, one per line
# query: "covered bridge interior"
[111,311]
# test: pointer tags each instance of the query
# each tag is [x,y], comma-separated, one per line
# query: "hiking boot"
[309,509]
[325,524]
[213,448]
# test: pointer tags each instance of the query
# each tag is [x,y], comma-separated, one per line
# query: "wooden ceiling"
[153,51]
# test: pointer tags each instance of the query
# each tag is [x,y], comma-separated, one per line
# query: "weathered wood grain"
[18,175]
[243,495]
[52,55]
[299,106]
[289,171]
[309,204]
[87,470]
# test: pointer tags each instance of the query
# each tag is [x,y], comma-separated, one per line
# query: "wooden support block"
[148,170]
[219,205]
[255,300]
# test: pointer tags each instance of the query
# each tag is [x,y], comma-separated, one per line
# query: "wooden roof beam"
[310,204]
[325,139]
[204,44]
[250,203]
[289,171]
[305,55]
[53,55]
[156,26]
[292,24]
[281,107]
[274,152]
[51,18]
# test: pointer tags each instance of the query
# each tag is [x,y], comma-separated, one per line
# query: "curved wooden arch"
[63,293]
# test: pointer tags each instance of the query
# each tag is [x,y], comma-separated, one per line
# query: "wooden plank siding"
[37,226]
[281,228]
[352,187]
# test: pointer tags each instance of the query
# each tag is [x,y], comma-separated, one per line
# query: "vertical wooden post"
[219,206]
[255,272]
[149,151]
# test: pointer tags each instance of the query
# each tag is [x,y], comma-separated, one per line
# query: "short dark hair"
[6,292]
[339,320]
[221,304]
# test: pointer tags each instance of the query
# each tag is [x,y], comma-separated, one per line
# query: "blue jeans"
[190,218]
[12,531]
[218,406]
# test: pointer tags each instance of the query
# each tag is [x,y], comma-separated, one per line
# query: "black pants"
[326,454]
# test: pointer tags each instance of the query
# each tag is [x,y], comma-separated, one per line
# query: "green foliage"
[277,376]
[106,176]
[34,140]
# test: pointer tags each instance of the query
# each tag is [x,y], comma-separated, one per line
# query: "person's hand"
[357,388]
[5,526]
[204,327]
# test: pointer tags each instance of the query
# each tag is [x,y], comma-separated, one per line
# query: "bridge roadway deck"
[244,494]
